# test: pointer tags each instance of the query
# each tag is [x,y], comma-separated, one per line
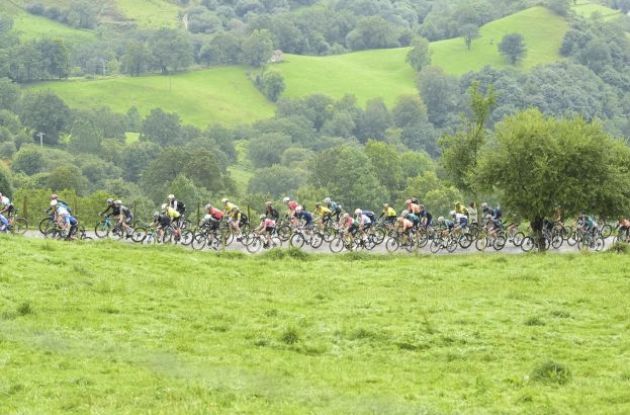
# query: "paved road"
[508,249]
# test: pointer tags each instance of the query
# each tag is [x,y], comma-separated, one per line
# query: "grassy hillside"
[106,328]
[542,29]
[588,9]
[149,13]
[29,26]
[223,95]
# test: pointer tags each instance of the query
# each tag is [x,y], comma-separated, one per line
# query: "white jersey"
[4,201]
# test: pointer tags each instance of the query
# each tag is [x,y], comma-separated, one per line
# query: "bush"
[619,248]
[290,336]
[551,372]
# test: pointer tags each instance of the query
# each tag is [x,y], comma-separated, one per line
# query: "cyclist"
[412,217]
[412,207]
[334,207]
[586,222]
[389,214]
[179,207]
[426,218]
[271,212]
[292,205]
[173,216]
[64,219]
[460,220]
[460,208]
[624,229]
[472,213]
[323,214]
[125,217]
[305,216]
[346,223]
[161,221]
[212,218]
[6,210]
[233,213]
[445,224]
[362,221]
[110,206]
[267,224]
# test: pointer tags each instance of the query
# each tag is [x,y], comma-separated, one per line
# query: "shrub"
[290,336]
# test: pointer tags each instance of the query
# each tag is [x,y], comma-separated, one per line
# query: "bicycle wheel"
[20,226]
[556,241]
[254,245]
[392,244]
[275,242]
[527,244]
[378,236]
[101,230]
[599,244]
[139,235]
[317,240]
[466,240]
[517,239]
[284,232]
[297,240]
[451,244]
[499,242]
[199,241]
[187,237]
[481,243]
[46,225]
[436,246]
[336,245]
[606,231]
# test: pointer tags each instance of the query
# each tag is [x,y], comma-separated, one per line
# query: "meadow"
[105,328]
[226,95]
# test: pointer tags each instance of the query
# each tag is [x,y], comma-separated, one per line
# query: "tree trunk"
[537,227]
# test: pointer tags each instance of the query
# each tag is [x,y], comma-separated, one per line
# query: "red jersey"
[216,213]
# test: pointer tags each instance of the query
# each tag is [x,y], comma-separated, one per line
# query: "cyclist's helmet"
[327,200]
[54,196]
[110,201]
[404,213]
[261,217]
[452,213]
[441,219]
[156,214]
[317,205]
[358,212]
[171,197]
[268,203]
[208,206]
[117,202]
[224,200]
[53,203]
[385,205]
[298,209]
[163,207]
[285,200]
[415,200]
[408,201]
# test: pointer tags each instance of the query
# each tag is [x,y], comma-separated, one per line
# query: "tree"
[258,48]
[85,137]
[276,181]
[409,109]
[540,164]
[372,32]
[385,159]
[170,50]
[376,119]
[9,94]
[29,160]
[460,151]
[135,59]
[45,112]
[273,85]
[67,177]
[513,47]
[161,128]
[6,184]
[266,149]
[419,55]
[469,31]
[440,93]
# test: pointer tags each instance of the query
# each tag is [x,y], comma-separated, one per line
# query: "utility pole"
[41,138]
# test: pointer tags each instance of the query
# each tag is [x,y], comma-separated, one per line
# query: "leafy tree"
[85,137]
[188,192]
[385,159]
[376,119]
[470,31]
[296,156]
[513,47]
[420,55]
[29,160]
[170,50]
[276,181]
[440,93]
[409,109]
[414,163]
[540,164]
[273,85]
[9,94]
[54,57]
[67,177]
[560,7]
[45,112]
[134,120]
[266,149]
[347,173]
[372,32]
[136,157]
[6,184]
[461,150]
[162,128]
[258,48]
[136,58]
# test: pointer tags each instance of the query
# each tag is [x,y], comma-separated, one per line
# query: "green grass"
[219,95]
[150,13]
[109,328]
[30,27]
[367,74]
[587,9]
[542,29]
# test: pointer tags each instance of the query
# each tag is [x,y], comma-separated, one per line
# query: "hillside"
[222,94]
[201,96]
[589,9]
[106,328]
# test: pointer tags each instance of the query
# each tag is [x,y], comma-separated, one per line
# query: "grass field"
[587,9]
[150,13]
[105,328]
[224,95]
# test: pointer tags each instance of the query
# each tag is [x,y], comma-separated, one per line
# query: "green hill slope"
[226,95]
[108,328]
[588,9]
[222,95]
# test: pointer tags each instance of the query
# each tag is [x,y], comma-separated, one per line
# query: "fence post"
[25,208]
[198,212]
